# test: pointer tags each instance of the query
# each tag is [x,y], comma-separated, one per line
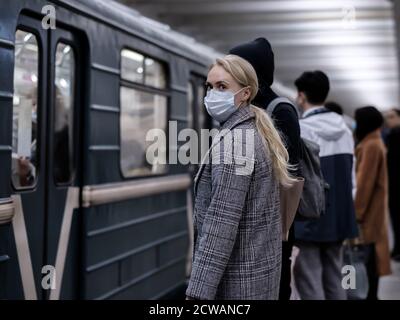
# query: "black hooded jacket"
[259,53]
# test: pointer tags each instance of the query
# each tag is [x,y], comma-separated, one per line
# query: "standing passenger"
[259,53]
[393,161]
[371,195]
[237,222]
[319,263]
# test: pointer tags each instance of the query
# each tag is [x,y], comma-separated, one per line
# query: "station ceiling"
[353,41]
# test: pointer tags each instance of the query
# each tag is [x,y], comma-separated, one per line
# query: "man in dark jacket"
[393,160]
[259,53]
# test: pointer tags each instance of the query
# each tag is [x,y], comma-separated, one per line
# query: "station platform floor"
[389,286]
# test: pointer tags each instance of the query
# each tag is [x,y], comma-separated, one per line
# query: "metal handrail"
[7,210]
[120,191]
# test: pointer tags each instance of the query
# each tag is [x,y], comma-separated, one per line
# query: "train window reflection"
[63,113]
[140,112]
[200,104]
[132,66]
[154,74]
[190,97]
[25,109]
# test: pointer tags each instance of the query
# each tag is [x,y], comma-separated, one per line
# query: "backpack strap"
[274,103]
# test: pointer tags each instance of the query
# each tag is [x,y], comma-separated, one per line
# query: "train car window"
[25,101]
[138,68]
[143,107]
[140,112]
[63,113]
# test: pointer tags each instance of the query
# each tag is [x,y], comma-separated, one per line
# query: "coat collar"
[376,134]
[242,114]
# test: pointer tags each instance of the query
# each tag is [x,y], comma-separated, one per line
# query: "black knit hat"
[260,55]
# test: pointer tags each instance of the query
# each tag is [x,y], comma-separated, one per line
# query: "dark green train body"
[82,214]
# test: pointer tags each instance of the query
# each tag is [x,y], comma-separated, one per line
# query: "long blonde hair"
[244,73]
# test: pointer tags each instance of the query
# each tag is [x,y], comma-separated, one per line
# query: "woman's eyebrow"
[217,83]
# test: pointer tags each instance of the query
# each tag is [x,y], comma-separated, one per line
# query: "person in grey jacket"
[237,222]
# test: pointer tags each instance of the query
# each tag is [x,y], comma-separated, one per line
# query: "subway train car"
[83,215]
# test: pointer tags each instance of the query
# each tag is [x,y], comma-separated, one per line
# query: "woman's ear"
[246,94]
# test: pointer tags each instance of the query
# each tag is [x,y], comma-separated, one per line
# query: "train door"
[28,162]
[65,110]
[45,163]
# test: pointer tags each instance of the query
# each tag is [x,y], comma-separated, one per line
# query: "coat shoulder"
[371,145]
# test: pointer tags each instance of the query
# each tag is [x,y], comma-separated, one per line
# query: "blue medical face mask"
[220,104]
[353,125]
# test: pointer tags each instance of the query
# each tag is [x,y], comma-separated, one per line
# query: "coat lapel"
[239,116]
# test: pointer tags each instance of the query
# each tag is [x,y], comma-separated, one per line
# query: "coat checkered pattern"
[237,224]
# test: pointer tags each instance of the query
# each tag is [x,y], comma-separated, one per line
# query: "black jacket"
[287,122]
[393,160]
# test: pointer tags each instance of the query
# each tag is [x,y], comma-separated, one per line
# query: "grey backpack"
[312,203]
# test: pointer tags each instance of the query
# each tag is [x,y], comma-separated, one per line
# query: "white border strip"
[72,203]
[23,252]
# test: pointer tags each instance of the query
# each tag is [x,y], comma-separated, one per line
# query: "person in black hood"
[392,119]
[260,55]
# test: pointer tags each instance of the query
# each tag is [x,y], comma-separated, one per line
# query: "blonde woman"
[237,223]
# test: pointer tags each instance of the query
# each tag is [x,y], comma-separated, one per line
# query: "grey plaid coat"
[237,224]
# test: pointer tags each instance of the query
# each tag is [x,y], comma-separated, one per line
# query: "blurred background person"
[371,195]
[62,140]
[319,264]
[392,118]
[25,131]
[335,107]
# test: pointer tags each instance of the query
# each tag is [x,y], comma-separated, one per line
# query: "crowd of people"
[239,250]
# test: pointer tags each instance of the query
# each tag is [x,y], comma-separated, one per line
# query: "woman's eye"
[221,87]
